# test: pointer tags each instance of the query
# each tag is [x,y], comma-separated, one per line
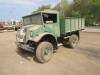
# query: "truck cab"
[42,32]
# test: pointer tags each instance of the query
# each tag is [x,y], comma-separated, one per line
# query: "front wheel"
[44,52]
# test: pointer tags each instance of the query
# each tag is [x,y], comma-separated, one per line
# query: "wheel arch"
[44,37]
[50,38]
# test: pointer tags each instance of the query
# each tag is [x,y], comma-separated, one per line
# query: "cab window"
[49,18]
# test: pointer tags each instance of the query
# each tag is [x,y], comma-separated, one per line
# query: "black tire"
[73,41]
[44,52]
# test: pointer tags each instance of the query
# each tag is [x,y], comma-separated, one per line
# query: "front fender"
[38,38]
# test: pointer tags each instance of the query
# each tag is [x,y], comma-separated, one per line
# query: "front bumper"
[25,47]
[21,43]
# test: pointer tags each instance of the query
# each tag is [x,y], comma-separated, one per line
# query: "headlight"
[20,34]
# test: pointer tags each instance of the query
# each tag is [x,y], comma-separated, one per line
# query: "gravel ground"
[92,29]
[84,60]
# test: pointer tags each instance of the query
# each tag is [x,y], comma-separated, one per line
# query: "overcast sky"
[15,9]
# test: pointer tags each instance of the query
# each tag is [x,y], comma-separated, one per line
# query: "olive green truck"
[43,31]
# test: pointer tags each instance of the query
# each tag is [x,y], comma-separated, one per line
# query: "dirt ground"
[84,60]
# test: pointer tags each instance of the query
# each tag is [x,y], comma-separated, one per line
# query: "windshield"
[32,19]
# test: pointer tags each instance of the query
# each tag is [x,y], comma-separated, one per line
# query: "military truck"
[43,32]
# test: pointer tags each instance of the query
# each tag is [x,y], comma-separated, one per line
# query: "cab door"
[51,23]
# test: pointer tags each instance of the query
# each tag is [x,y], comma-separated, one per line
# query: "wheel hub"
[46,51]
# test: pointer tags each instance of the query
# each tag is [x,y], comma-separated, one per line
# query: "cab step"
[60,44]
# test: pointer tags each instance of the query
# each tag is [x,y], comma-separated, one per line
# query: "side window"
[27,20]
[49,18]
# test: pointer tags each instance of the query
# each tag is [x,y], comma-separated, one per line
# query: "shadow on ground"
[92,52]
[25,54]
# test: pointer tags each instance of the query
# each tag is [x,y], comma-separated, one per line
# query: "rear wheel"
[44,52]
[73,40]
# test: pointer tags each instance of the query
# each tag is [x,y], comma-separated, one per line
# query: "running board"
[66,37]
[59,44]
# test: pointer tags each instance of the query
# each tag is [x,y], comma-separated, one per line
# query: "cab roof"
[46,11]
[50,11]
